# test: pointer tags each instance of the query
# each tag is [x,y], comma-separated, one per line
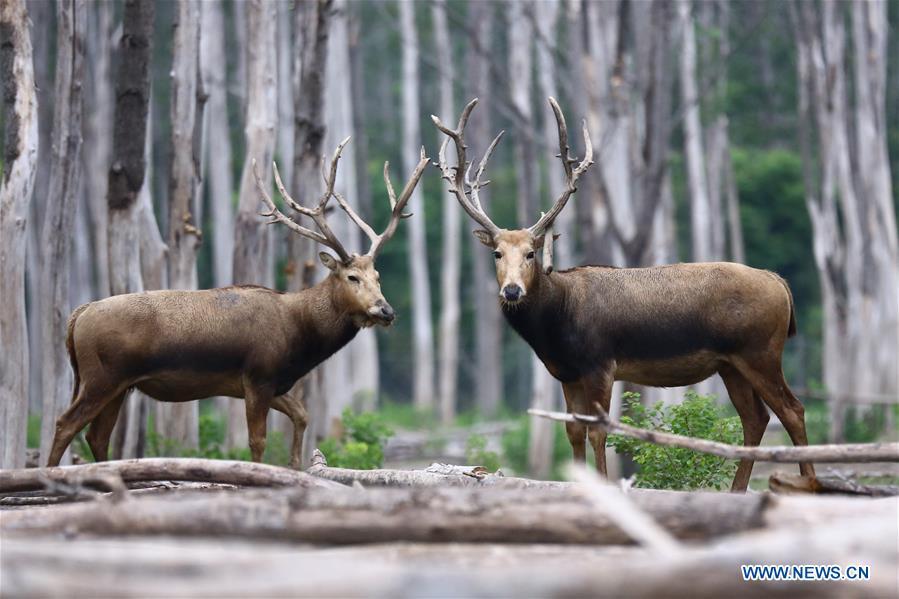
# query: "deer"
[242,341]
[659,326]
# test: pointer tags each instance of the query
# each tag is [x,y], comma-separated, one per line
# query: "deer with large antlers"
[660,326]
[243,341]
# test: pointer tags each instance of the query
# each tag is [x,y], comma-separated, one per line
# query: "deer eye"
[497,255]
[353,278]
[531,255]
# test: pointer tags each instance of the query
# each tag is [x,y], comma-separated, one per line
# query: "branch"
[857,452]
[147,469]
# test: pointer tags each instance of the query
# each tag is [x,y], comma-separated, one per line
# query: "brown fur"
[241,341]
[660,326]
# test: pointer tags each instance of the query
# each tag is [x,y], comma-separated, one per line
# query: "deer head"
[514,251]
[356,285]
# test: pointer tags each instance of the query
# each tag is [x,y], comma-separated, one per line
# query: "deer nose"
[512,293]
[386,311]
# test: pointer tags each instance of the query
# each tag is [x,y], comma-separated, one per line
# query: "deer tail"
[791,328]
[70,346]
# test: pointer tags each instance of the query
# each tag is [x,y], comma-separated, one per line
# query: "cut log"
[837,454]
[347,516]
[39,566]
[435,475]
[780,482]
[175,469]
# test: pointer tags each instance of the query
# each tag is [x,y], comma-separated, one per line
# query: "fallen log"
[138,567]
[152,469]
[782,483]
[435,475]
[847,453]
[349,516]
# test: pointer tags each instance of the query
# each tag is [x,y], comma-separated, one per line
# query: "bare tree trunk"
[20,153]
[448,359]
[218,159]
[43,18]
[98,134]
[849,202]
[285,147]
[351,375]
[179,421]
[313,22]
[251,243]
[488,369]
[56,232]
[422,328]
[128,170]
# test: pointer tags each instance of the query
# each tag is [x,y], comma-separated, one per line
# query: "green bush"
[361,444]
[212,441]
[476,453]
[661,467]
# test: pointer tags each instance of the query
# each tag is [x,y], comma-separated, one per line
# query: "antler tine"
[571,174]
[397,205]
[279,217]
[457,176]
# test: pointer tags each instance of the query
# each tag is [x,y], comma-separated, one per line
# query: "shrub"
[476,453]
[361,443]
[515,443]
[661,467]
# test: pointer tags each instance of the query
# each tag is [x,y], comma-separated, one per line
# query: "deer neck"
[322,324]
[539,318]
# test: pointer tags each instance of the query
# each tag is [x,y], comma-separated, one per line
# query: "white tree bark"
[218,158]
[59,217]
[179,422]
[448,357]
[422,328]
[488,367]
[351,375]
[20,115]
[849,201]
[98,134]
[251,244]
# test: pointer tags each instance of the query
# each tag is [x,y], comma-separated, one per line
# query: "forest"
[300,160]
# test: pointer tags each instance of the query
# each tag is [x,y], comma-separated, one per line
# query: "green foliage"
[211,444]
[406,416]
[476,453]
[33,439]
[361,444]
[672,467]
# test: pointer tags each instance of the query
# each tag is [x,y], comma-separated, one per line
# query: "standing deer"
[243,341]
[661,326]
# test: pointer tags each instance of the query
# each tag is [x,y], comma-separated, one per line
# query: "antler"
[459,176]
[571,174]
[324,235]
[396,207]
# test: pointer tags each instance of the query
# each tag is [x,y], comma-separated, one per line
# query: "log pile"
[236,529]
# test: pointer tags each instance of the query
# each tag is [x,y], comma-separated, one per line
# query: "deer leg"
[291,405]
[766,377]
[574,401]
[101,428]
[86,407]
[598,389]
[258,400]
[753,416]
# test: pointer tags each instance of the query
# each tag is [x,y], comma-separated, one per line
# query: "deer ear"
[538,241]
[484,237]
[328,260]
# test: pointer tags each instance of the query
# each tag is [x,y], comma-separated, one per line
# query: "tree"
[448,358]
[20,115]
[488,320]
[310,54]
[422,329]
[218,148]
[59,217]
[849,198]
[98,134]
[179,422]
